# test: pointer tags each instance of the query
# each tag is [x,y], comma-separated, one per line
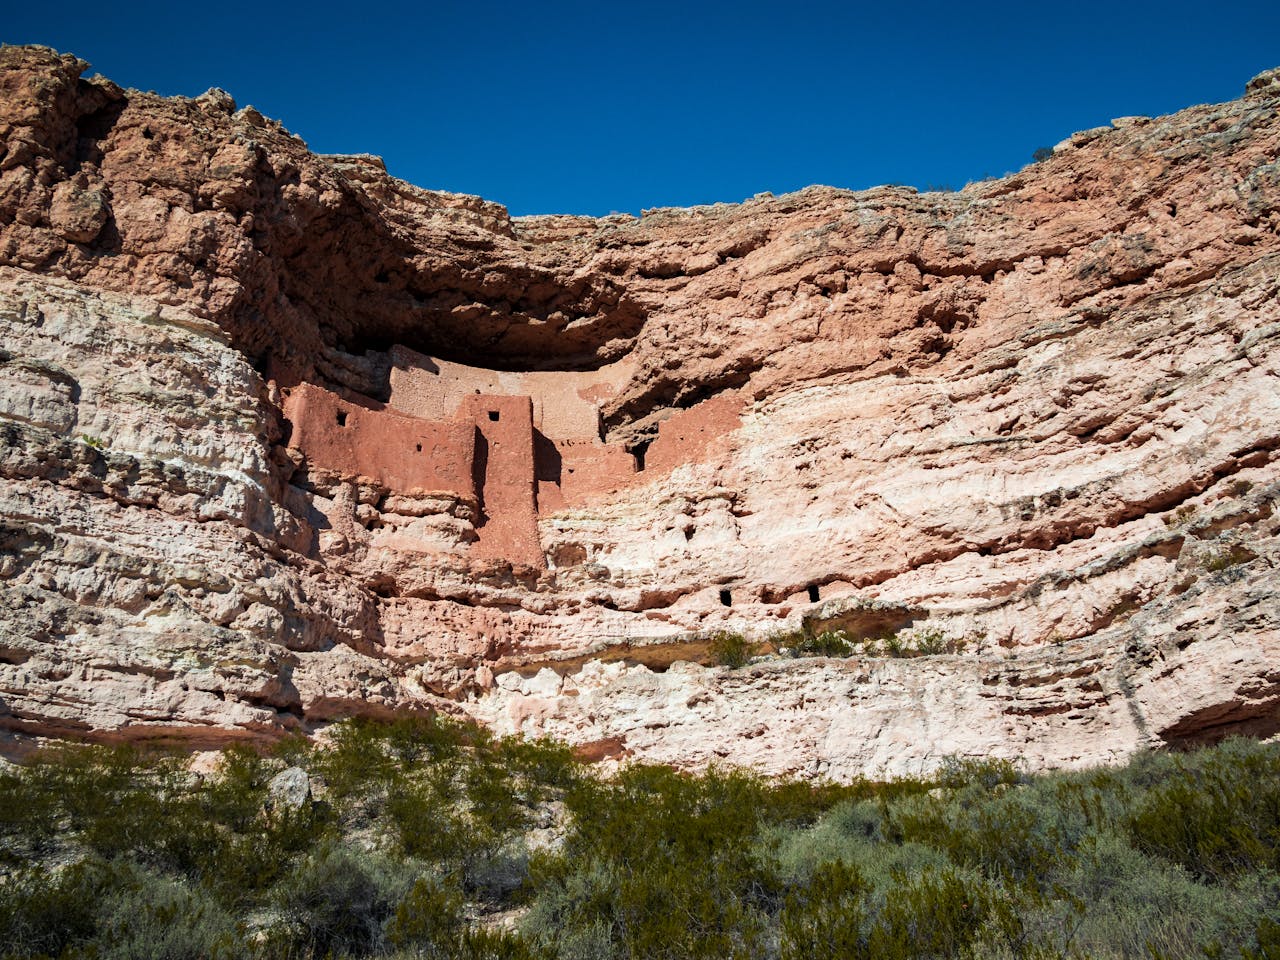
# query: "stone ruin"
[514,444]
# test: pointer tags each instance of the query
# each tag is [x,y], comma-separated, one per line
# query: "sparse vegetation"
[925,641]
[1183,515]
[432,839]
[826,643]
[96,442]
[1225,556]
[730,649]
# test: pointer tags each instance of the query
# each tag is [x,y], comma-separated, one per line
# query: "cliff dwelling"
[515,444]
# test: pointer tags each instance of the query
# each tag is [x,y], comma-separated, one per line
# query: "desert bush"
[826,643]
[357,762]
[541,765]
[338,900]
[825,919]
[491,797]
[483,944]
[799,853]
[428,825]
[145,917]
[43,912]
[986,774]
[729,649]
[803,801]
[1224,557]
[1219,817]
[28,818]
[1266,945]
[836,917]
[109,798]
[667,863]
[1139,905]
[939,914]
[428,920]
[1009,836]
[111,853]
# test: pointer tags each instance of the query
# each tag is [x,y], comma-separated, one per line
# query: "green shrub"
[729,649]
[541,765]
[826,919]
[803,801]
[835,917]
[1219,817]
[1134,904]
[481,944]
[426,823]
[145,917]
[428,920]
[338,900]
[666,862]
[827,643]
[1224,557]
[356,761]
[986,774]
[28,818]
[43,913]
[1012,836]
[491,796]
[1267,942]
[115,853]
[940,914]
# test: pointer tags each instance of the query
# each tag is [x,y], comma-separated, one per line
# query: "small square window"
[493,415]
[342,418]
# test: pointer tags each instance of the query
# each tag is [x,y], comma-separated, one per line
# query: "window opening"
[638,452]
[813,593]
[342,418]
[493,415]
[726,598]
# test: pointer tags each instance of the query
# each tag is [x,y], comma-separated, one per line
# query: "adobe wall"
[687,435]
[488,447]
[405,454]
[565,402]
[503,471]
[581,471]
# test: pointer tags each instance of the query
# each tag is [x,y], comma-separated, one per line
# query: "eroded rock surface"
[284,439]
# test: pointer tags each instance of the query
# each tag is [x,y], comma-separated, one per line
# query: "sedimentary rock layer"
[283,439]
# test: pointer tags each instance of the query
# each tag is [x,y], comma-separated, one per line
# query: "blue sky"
[568,107]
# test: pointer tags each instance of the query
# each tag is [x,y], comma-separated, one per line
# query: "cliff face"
[284,439]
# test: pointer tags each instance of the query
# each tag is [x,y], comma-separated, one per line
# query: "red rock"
[283,438]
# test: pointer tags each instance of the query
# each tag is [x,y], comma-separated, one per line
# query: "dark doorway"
[479,468]
[638,452]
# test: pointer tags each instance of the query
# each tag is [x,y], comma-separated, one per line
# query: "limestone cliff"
[283,439]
